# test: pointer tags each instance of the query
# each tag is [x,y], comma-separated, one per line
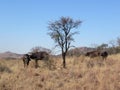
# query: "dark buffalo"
[26,60]
[35,56]
[104,54]
[93,54]
[39,56]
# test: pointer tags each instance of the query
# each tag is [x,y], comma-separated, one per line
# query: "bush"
[4,69]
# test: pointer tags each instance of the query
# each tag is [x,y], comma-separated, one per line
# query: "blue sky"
[23,23]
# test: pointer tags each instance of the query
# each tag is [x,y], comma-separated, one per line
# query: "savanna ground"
[82,73]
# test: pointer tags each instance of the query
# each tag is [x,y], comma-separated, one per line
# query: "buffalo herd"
[45,56]
[35,56]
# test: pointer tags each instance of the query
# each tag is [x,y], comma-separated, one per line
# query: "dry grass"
[82,73]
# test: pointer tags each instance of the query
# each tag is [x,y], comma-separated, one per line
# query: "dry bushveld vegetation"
[82,73]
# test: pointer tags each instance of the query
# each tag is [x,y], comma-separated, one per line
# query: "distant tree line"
[113,47]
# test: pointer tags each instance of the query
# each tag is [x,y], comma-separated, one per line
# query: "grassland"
[82,73]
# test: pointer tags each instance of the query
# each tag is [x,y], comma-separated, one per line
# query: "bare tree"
[36,49]
[112,47]
[62,31]
[39,49]
[112,43]
[118,41]
[102,46]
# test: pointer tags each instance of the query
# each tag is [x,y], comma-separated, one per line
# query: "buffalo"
[26,60]
[93,54]
[35,56]
[104,54]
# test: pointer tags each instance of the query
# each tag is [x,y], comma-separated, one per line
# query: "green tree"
[102,46]
[62,31]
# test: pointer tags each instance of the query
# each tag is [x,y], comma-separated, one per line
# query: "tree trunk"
[36,63]
[64,59]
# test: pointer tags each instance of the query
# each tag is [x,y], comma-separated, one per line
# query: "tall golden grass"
[82,73]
